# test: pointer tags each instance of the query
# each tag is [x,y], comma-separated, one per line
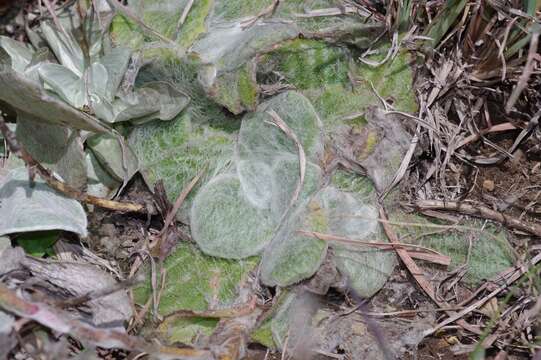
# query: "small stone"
[488,185]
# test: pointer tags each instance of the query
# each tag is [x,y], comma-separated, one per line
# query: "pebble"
[488,185]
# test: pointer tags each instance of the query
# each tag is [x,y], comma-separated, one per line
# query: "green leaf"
[366,269]
[29,97]
[55,146]
[65,47]
[264,151]
[152,101]
[19,52]
[225,224]
[97,78]
[322,72]
[225,53]
[117,159]
[201,138]
[196,282]
[39,208]
[293,260]
[38,243]
[489,250]
[116,61]
[446,18]
[68,85]
[100,182]
[263,335]
[186,330]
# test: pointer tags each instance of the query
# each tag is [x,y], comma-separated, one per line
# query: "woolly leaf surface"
[366,268]
[323,73]
[225,224]
[490,252]
[267,159]
[195,282]
[177,151]
[260,139]
[285,179]
[292,257]
[162,16]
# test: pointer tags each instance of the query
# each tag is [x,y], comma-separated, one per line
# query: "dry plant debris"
[229,179]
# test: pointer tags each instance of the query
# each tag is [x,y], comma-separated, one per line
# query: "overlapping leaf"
[25,208]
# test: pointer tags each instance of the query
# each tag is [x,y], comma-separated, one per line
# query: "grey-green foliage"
[114,155]
[281,321]
[260,146]
[200,139]
[366,268]
[484,253]
[292,257]
[25,208]
[195,281]
[223,53]
[225,224]
[175,152]
[54,90]
[242,214]
[82,80]
[224,37]
[99,182]
[224,49]
[20,88]
[55,146]
[263,150]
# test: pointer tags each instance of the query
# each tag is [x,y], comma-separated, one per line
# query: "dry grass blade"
[183,17]
[519,271]
[415,251]
[180,200]
[391,53]
[277,120]
[496,128]
[222,313]
[268,11]
[345,10]
[403,165]
[122,285]
[417,273]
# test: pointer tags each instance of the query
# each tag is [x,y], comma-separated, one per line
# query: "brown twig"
[496,128]
[480,211]
[60,186]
